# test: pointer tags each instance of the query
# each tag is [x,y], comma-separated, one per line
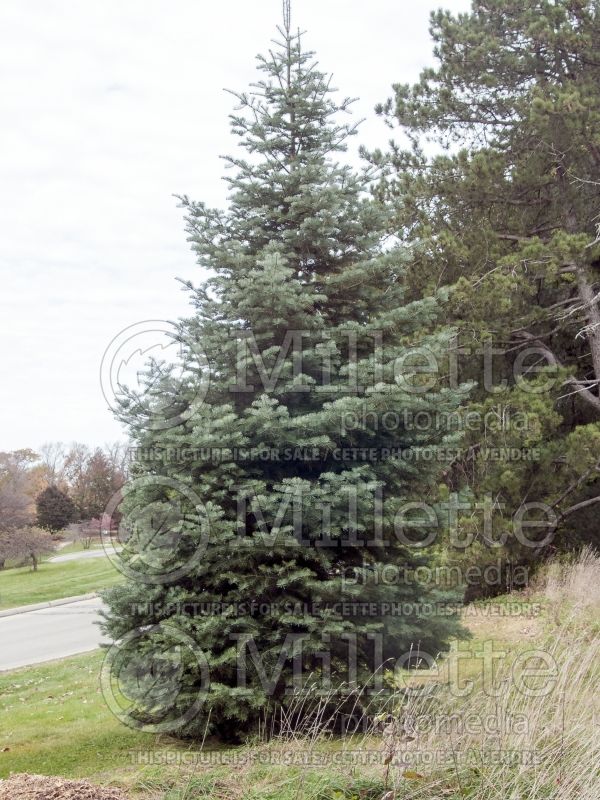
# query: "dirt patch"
[39,787]
[488,620]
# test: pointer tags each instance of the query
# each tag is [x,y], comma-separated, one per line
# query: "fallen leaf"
[411,775]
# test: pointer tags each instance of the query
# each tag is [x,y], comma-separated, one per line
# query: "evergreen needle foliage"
[299,257]
[498,189]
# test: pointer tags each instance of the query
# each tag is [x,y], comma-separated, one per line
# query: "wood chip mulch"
[39,787]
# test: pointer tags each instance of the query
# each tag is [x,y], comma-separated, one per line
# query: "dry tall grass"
[572,588]
[521,736]
[505,739]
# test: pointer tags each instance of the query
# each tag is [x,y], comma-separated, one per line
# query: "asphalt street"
[82,556]
[48,633]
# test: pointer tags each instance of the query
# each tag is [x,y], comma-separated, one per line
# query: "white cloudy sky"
[106,110]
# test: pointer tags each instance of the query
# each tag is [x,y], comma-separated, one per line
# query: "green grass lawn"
[54,721]
[21,586]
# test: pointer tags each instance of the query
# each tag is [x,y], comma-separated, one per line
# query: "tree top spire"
[287,15]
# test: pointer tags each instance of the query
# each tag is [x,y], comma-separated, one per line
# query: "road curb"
[64,601]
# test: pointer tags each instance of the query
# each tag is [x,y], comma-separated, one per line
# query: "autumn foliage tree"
[26,545]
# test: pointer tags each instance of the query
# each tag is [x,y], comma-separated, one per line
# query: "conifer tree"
[505,208]
[279,438]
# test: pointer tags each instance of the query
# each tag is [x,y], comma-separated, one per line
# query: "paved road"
[49,633]
[84,554]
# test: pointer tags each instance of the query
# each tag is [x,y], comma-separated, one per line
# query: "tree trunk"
[586,293]
[592,315]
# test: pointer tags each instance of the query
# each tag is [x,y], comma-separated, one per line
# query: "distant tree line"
[43,493]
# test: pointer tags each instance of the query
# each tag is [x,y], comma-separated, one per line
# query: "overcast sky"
[107,109]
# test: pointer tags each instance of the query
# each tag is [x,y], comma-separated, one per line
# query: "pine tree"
[302,496]
[505,210]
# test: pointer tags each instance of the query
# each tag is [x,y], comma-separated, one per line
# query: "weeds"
[530,731]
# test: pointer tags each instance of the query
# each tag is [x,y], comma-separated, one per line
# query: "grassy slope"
[54,720]
[21,586]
